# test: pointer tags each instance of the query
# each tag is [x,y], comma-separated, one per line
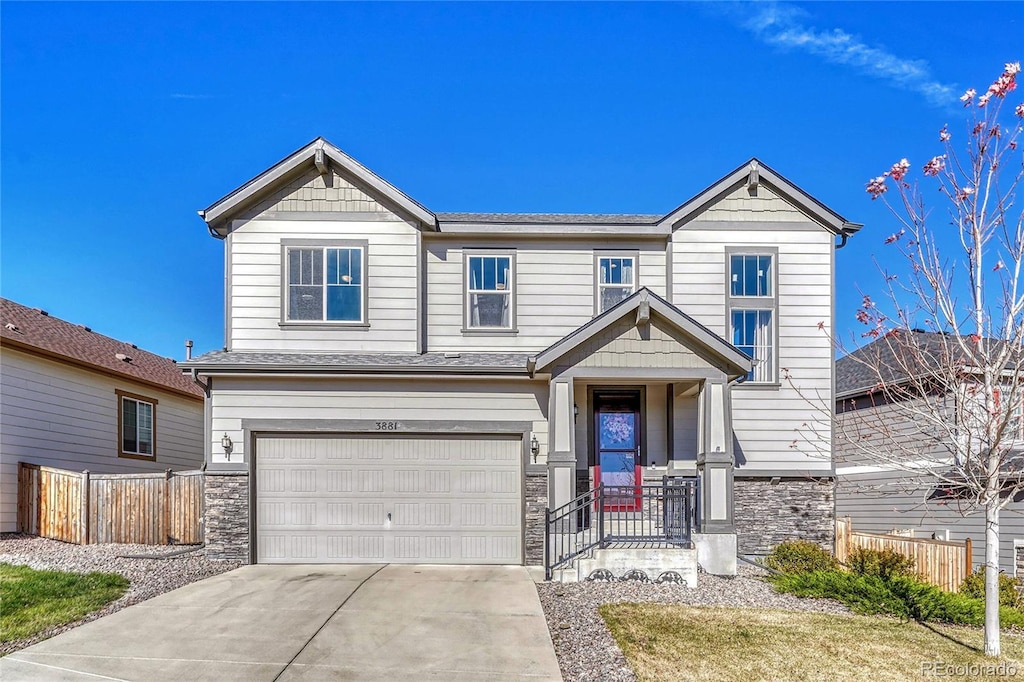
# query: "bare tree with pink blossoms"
[944,368]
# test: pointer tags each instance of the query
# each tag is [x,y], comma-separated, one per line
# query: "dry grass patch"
[672,642]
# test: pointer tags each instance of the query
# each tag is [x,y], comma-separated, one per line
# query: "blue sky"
[120,120]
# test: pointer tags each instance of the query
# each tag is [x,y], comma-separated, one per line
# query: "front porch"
[640,443]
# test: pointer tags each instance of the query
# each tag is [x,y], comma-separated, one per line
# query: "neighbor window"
[489,291]
[616,280]
[752,306]
[1015,423]
[326,284]
[136,426]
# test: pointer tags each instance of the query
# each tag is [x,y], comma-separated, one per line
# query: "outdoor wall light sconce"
[228,446]
[534,447]
[575,411]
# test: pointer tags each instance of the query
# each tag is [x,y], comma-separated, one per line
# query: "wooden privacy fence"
[84,508]
[940,562]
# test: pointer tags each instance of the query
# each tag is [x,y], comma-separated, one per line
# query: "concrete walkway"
[405,623]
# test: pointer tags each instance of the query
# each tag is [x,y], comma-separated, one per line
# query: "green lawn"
[32,601]
[671,642]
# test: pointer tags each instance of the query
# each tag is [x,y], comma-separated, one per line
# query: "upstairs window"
[752,311]
[136,425]
[326,284]
[616,279]
[489,291]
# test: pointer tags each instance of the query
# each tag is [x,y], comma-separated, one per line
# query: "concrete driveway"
[405,623]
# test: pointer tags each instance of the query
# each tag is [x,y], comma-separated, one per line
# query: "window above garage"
[324,283]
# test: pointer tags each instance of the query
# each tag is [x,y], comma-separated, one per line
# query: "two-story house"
[402,385]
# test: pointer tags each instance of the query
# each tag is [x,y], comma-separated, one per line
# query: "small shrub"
[884,563]
[898,595]
[974,586]
[800,556]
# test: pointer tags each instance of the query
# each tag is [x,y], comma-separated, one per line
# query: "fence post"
[166,517]
[967,557]
[84,502]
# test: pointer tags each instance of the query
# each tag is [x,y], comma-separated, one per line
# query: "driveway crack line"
[327,620]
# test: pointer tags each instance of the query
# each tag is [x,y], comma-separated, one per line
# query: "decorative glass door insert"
[618,465]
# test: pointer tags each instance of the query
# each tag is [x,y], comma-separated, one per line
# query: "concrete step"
[652,561]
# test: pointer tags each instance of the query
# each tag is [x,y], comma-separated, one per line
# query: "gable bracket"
[321,162]
[643,312]
[753,178]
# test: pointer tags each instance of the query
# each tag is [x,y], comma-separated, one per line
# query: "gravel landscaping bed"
[148,577]
[586,650]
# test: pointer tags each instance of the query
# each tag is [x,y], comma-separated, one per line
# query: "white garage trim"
[307,538]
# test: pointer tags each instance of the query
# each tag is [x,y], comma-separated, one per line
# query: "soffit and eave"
[327,158]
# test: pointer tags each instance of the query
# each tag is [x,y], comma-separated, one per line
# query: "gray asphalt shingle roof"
[372,361]
[551,218]
[896,356]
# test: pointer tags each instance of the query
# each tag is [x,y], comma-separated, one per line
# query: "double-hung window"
[490,292]
[616,279]
[136,426]
[325,283]
[752,310]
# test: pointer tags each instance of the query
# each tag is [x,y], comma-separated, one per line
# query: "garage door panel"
[328,499]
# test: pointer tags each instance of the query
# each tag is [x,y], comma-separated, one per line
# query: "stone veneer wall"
[792,509]
[226,516]
[536,503]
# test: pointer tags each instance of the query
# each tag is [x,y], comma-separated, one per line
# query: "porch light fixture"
[226,443]
[575,411]
[534,447]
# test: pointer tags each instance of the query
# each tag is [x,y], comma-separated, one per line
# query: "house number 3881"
[387,426]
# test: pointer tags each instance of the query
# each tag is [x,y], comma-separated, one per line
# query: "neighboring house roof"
[322,155]
[898,356]
[35,331]
[449,363]
[643,303]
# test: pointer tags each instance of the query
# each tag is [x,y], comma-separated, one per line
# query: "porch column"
[562,444]
[715,459]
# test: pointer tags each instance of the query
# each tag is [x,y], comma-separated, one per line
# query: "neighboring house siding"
[55,415]
[891,499]
[766,418]
[554,289]
[235,399]
[255,291]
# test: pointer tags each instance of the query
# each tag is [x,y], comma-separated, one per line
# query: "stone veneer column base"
[226,515]
[536,502]
[768,514]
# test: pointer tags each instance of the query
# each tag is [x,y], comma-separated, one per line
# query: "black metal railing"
[662,514]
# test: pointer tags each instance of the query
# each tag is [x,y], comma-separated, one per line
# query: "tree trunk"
[992,577]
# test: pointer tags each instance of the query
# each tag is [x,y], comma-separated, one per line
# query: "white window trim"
[598,256]
[769,303]
[325,244]
[469,254]
[122,398]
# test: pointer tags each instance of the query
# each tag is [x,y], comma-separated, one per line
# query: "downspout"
[844,238]
[200,384]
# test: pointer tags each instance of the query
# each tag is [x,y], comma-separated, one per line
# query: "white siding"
[554,290]
[256,276]
[236,399]
[60,416]
[766,419]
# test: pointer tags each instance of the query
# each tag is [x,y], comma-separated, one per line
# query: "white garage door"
[389,498]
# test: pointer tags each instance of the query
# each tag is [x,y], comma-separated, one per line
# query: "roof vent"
[122,357]
[85,328]
[10,326]
[453,355]
[42,312]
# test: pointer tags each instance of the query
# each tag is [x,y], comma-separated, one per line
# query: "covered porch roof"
[647,333]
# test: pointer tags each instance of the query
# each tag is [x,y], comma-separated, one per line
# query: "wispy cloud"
[188,95]
[787,27]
